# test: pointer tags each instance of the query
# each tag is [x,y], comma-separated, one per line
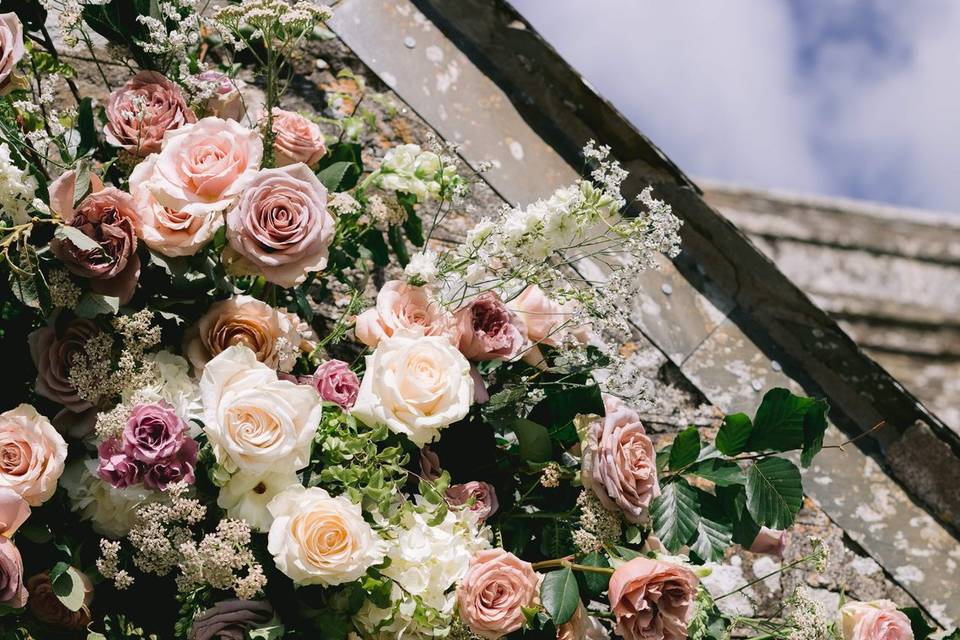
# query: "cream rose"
[316,539]
[168,232]
[273,334]
[32,454]
[246,495]
[253,420]
[203,167]
[416,385]
[404,306]
[875,620]
[296,139]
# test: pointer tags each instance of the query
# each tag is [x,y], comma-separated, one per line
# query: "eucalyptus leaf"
[69,588]
[92,305]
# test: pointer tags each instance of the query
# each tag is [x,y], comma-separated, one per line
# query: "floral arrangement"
[267,402]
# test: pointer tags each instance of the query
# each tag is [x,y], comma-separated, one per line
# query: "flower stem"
[566,563]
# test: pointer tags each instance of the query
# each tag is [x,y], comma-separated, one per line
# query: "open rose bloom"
[652,600]
[141,112]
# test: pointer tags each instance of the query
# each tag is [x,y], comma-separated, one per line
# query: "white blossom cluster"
[17,188]
[265,15]
[70,16]
[426,174]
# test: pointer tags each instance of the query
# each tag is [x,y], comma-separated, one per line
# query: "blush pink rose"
[141,111]
[13,593]
[619,461]
[14,511]
[491,596]
[335,382]
[489,330]
[296,139]
[770,542]
[11,48]
[109,218]
[404,306]
[166,231]
[203,167]
[226,101]
[876,620]
[582,627]
[281,227]
[53,355]
[480,498]
[32,454]
[115,467]
[652,599]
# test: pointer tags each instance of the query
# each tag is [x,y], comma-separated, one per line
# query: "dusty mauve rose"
[53,356]
[109,218]
[335,382]
[281,227]
[491,597]
[32,454]
[153,432]
[11,48]
[582,627]
[46,606]
[177,468]
[652,599]
[429,464]
[271,333]
[547,321]
[489,330]
[619,461]
[404,306]
[12,592]
[769,541]
[203,167]
[14,511]
[296,139]
[231,619]
[168,232]
[482,495]
[875,620]
[226,101]
[141,111]
[115,467]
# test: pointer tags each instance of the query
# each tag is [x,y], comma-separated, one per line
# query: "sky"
[856,98]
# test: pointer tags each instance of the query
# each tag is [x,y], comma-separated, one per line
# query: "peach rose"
[582,626]
[226,101]
[281,227]
[491,597]
[619,461]
[272,334]
[11,48]
[14,511]
[168,232]
[875,620]
[296,139]
[652,599]
[480,498]
[203,167]
[404,306]
[32,454]
[141,111]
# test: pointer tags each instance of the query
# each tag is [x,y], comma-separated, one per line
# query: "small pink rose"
[875,620]
[296,139]
[335,382]
[770,542]
[489,330]
[404,306]
[141,112]
[13,593]
[492,595]
[226,101]
[11,48]
[480,498]
[547,322]
[115,467]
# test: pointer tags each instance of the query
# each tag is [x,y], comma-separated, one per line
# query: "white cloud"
[853,98]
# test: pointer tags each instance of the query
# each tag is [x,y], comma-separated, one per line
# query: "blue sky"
[858,98]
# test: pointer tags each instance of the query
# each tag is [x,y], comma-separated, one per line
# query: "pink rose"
[582,627]
[141,111]
[32,454]
[53,356]
[153,432]
[876,620]
[226,101]
[547,321]
[115,467]
[281,227]
[14,511]
[179,467]
[491,597]
[168,232]
[404,306]
[11,48]
[769,541]
[652,599]
[480,498]
[296,139]
[619,462]
[335,382]
[12,591]
[109,218]
[429,464]
[203,167]
[489,330]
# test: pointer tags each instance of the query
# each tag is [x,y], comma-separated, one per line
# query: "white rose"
[255,421]
[416,385]
[112,511]
[316,539]
[246,496]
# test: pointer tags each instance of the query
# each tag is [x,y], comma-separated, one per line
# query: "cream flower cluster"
[409,169]
[17,188]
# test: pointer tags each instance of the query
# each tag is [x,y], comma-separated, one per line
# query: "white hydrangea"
[17,188]
[112,511]
[423,267]
[172,385]
[409,169]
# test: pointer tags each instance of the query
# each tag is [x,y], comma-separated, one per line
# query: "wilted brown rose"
[46,606]
[53,354]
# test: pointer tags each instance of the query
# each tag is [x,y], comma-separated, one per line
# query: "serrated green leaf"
[675,514]
[722,473]
[334,175]
[685,448]
[86,126]
[774,492]
[814,426]
[560,595]
[534,440]
[77,238]
[734,434]
[373,240]
[714,531]
[413,227]
[778,425]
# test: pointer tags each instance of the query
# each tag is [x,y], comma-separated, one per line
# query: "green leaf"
[94,304]
[734,434]
[921,628]
[722,473]
[335,174]
[397,243]
[58,570]
[560,595]
[69,589]
[734,501]
[714,531]
[955,635]
[675,514]
[77,238]
[86,126]
[685,448]
[814,426]
[413,226]
[303,305]
[559,407]
[82,185]
[534,439]
[373,240]
[595,583]
[778,425]
[25,289]
[774,492]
